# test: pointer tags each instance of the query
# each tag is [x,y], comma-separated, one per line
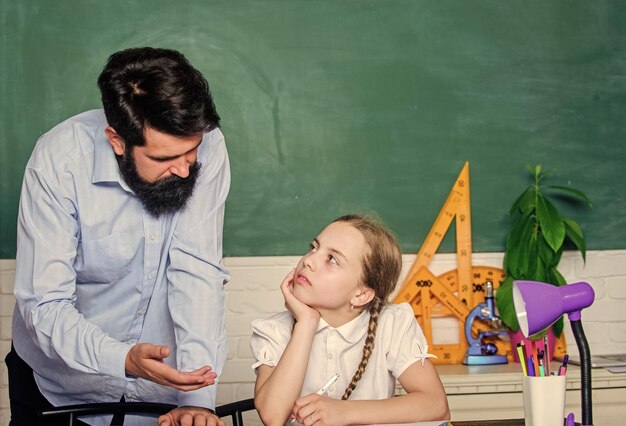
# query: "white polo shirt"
[399,343]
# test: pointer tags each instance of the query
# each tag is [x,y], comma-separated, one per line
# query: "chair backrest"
[235,410]
[72,412]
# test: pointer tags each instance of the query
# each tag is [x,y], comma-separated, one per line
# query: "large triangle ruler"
[452,294]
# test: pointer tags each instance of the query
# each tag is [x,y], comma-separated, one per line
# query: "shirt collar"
[351,331]
[105,167]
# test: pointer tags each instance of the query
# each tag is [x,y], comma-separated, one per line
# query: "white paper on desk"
[616,369]
[435,423]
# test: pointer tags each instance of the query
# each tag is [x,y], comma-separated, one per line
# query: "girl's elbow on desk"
[427,404]
[445,410]
[442,409]
[439,406]
[271,416]
[434,409]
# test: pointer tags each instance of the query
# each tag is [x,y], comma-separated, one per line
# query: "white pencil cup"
[544,400]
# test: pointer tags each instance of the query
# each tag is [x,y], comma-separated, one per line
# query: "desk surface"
[503,422]
[495,393]
[471,379]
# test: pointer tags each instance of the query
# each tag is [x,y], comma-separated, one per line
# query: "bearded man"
[118,283]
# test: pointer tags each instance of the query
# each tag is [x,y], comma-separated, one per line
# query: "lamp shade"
[538,305]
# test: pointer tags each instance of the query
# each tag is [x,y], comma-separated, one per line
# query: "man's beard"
[166,195]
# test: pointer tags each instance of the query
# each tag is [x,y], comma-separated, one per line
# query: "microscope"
[481,351]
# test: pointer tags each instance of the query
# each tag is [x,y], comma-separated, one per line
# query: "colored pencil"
[546,349]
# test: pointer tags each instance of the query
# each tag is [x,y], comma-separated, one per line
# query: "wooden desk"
[502,422]
[495,392]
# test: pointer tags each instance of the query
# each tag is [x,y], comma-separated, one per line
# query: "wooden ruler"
[457,205]
[454,293]
[441,305]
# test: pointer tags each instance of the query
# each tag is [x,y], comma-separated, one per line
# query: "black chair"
[72,412]
[235,410]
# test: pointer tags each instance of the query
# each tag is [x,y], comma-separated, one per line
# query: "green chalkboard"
[331,106]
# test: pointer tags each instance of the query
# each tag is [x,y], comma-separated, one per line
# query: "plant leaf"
[516,261]
[575,234]
[548,172]
[539,272]
[519,229]
[576,193]
[546,254]
[550,222]
[559,280]
[557,258]
[504,303]
[532,261]
[517,248]
[557,327]
[524,202]
[508,263]
[554,277]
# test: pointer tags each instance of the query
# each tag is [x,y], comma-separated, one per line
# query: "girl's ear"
[362,298]
[115,140]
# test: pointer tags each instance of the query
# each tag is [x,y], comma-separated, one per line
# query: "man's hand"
[190,416]
[145,360]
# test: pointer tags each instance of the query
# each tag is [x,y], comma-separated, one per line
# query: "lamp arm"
[585,371]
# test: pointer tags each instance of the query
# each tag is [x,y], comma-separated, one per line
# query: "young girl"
[338,322]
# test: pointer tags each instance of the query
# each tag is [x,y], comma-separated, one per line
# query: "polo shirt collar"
[352,331]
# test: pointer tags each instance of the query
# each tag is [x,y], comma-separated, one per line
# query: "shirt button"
[330,356]
[141,311]
[152,236]
[149,276]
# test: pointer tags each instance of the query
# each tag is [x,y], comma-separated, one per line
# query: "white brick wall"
[253,293]
[7,275]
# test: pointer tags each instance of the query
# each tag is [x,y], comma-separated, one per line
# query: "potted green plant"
[535,241]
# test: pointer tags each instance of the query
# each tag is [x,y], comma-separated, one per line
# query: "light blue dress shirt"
[96,274]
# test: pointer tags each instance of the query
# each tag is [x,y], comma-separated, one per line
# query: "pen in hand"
[328,384]
[323,390]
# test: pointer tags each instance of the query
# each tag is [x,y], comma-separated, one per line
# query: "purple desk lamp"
[539,305]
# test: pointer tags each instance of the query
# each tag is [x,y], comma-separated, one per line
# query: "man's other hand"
[145,360]
[190,416]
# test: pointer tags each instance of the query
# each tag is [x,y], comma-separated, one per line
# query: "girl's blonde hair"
[382,263]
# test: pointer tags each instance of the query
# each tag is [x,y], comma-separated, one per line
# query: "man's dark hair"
[156,88]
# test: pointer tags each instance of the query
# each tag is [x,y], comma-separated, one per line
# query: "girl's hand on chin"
[298,309]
